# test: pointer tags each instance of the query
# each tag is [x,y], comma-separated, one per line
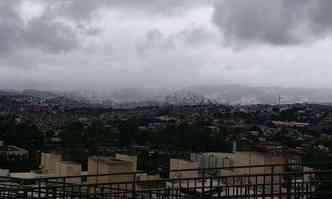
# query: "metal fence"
[245,182]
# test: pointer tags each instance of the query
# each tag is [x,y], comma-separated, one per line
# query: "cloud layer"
[110,44]
[277,22]
[42,32]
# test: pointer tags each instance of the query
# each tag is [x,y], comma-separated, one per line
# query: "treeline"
[184,137]
[21,134]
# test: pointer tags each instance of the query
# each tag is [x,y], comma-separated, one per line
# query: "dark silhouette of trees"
[20,134]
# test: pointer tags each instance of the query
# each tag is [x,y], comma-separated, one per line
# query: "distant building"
[213,160]
[248,158]
[14,158]
[12,151]
[290,124]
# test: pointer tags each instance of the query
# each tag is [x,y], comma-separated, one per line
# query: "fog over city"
[112,44]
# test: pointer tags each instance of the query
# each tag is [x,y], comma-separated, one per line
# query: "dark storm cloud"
[53,37]
[10,26]
[50,35]
[277,22]
[42,33]
[106,44]
[157,6]
[84,9]
[321,16]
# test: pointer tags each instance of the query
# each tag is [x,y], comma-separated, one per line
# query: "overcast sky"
[107,44]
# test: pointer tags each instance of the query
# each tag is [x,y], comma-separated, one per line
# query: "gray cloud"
[321,16]
[10,27]
[157,6]
[85,9]
[106,44]
[193,36]
[277,22]
[43,33]
[53,37]
[155,40]
[48,34]
[74,9]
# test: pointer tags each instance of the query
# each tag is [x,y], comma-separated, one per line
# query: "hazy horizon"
[164,44]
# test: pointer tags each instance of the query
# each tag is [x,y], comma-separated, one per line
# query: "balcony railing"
[249,182]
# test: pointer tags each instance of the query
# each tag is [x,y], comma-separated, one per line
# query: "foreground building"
[109,165]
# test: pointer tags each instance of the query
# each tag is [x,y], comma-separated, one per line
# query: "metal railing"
[250,182]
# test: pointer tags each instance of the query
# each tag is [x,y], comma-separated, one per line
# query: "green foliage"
[187,137]
[20,134]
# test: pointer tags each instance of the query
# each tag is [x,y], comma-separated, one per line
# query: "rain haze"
[111,44]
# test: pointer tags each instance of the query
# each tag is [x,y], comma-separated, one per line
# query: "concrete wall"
[215,160]
[249,158]
[4,172]
[246,158]
[49,163]
[211,160]
[261,158]
[104,165]
[148,177]
[70,169]
[129,158]
[179,164]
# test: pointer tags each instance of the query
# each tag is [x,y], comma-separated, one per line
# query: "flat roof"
[109,160]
